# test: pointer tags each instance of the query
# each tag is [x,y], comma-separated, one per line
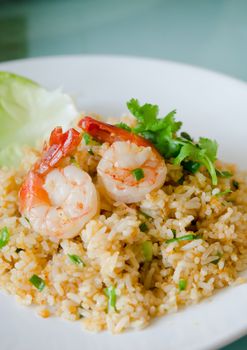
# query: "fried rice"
[180,272]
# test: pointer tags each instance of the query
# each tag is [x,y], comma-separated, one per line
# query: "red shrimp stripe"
[60,145]
[104,132]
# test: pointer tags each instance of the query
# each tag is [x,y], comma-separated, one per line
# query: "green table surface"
[206,33]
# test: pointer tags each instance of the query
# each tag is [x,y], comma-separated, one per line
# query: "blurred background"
[206,33]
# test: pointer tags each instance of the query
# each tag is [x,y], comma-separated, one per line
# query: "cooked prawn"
[128,155]
[58,201]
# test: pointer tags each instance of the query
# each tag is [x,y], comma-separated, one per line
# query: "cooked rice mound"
[111,248]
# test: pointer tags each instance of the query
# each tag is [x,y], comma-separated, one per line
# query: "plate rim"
[199,69]
[175,63]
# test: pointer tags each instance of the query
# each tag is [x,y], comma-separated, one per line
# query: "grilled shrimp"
[58,201]
[131,167]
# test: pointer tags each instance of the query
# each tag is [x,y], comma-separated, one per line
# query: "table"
[211,34]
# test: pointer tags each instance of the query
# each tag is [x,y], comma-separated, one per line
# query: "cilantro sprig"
[162,132]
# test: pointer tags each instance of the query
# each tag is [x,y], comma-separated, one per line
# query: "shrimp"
[131,167]
[58,201]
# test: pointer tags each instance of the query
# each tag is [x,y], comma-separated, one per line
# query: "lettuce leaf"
[28,112]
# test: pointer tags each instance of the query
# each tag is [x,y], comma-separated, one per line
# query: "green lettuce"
[28,113]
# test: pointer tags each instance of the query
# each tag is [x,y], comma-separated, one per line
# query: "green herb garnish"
[189,237]
[75,259]
[162,133]
[138,173]
[182,284]
[186,136]
[37,282]
[27,219]
[235,184]
[190,166]
[204,152]
[143,227]
[223,192]
[147,250]
[18,250]
[110,292]
[90,151]
[123,126]
[217,259]
[145,215]
[181,180]
[223,173]
[4,237]
[86,138]
[73,161]
[174,233]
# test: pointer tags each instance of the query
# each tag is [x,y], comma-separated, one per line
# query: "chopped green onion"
[18,250]
[4,237]
[138,173]
[75,259]
[174,233]
[143,227]
[223,192]
[37,282]
[90,151]
[147,250]
[145,215]
[186,136]
[215,262]
[225,174]
[110,292]
[217,259]
[181,180]
[182,284]
[189,237]
[235,184]
[123,126]
[27,219]
[86,138]
[191,166]
[73,161]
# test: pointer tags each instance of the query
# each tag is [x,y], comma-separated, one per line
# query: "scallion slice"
[75,259]
[37,282]
[4,237]
[138,173]
[143,227]
[235,184]
[223,192]
[147,250]
[182,284]
[110,292]
[189,237]
[145,215]
[86,138]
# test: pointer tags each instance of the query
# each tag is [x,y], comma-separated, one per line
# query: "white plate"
[209,104]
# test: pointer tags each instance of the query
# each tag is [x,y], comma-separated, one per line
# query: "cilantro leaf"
[210,148]
[197,153]
[146,114]
[123,126]
[162,133]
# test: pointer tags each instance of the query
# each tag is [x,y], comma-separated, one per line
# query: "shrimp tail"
[60,145]
[104,132]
